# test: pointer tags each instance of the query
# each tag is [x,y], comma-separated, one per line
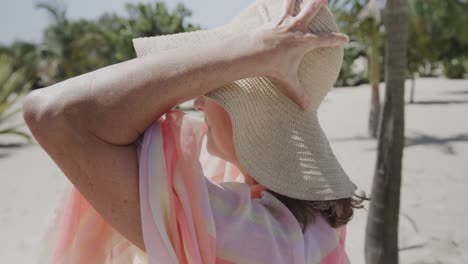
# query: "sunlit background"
[45,42]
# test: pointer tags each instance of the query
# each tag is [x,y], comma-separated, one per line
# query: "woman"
[89,125]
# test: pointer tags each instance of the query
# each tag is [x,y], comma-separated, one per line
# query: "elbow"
[32,109]
[39,111]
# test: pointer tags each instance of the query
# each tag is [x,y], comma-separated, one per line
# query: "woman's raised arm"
[118,102]
[87,124]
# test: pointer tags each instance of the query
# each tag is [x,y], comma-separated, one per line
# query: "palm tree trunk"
[374,80]
[374,113]
[381,244]
[413,86]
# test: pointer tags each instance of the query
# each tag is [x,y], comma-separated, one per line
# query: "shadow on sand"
[12,145]
[438,102]
[457,92]
[6,148]
[445,144]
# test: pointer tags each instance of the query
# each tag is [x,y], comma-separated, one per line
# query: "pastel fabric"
[195,208]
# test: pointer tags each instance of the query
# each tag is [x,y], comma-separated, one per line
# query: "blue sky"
[19,19]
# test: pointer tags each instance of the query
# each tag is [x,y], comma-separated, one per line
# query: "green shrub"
[454,69]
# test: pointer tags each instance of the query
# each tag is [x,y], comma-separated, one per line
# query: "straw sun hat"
[280,146]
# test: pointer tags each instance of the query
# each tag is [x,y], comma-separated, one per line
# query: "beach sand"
[435,175]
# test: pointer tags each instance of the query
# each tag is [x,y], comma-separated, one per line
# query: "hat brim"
[282,147]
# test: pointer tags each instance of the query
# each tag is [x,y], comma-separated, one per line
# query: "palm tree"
[381,244]
[71,48]
[438,34]
[116,32]
[12,86]
[57,46]
[361,20]
[369,20]
[147,20]
[144,20]
[24,55]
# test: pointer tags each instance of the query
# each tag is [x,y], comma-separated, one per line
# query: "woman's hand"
[283,43]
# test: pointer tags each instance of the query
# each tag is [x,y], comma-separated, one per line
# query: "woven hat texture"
[280,146]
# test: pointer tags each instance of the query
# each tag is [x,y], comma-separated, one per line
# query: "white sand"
[435,177]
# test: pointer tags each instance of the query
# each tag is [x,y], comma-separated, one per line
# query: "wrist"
[252,55]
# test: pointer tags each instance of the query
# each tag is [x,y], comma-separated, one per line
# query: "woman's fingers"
[263,12]
[322,40]
[301,97]
[288,8]
[308,12]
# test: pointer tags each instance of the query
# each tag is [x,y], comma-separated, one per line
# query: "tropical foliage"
[73,47]
[76,47]
[362,21]
[438,36]
[13,82]
[438,40]
[437,30]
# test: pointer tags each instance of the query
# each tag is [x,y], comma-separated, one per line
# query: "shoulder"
[234,198]
[249,228]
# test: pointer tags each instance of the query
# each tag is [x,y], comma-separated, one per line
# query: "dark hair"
[335,212]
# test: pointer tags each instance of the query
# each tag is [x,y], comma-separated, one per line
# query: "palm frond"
[16,132]
[3,118]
